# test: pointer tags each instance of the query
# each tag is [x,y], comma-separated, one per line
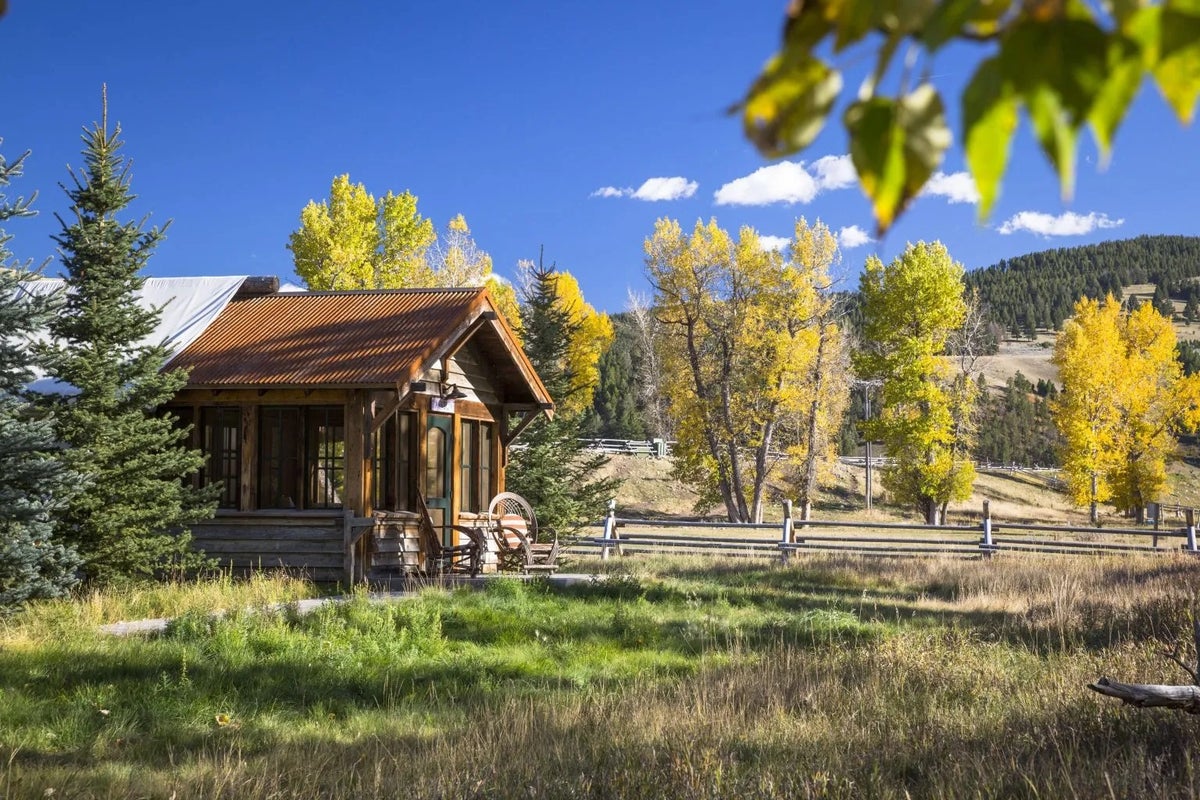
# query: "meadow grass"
[832,677]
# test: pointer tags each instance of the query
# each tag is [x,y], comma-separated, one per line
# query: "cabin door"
[439,452]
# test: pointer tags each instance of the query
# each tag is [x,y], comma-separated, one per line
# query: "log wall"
[308,545]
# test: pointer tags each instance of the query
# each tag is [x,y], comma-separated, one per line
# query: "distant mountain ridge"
[1039,290]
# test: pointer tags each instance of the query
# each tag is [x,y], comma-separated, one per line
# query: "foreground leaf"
[990,113]
[896,146]
[787,106]
[1178,70]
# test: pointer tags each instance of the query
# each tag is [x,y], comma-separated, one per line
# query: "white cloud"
[773,242]
[788,182]
[835,172]
[853,236]
[656,189]
[957,187]
[1066,224]
[653,190]
[785,182]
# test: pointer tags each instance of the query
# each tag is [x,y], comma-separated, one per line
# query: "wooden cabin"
[322,413]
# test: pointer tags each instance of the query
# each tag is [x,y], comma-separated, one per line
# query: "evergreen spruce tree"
[615,413]
[130,518]
[551,468]
[34,564]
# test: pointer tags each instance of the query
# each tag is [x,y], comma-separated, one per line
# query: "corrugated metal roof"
[366,338]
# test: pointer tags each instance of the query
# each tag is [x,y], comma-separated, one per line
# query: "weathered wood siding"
[309,545]
[395,545]
[470,372]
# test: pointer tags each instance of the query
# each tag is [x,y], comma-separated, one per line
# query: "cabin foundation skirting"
[311,544]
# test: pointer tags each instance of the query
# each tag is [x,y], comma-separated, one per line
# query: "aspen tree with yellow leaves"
[1124,400]
[910,308]
[355,241]
[455,260]
[736,340]
[825,385]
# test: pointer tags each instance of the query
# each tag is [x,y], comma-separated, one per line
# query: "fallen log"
[1151,695]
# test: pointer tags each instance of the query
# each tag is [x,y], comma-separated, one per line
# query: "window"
[222,446]
[325,436]
[466,499]
[475,454]
[393,454]
[302,457]
[383,466]
[435,463]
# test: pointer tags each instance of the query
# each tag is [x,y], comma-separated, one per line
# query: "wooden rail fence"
[783,539]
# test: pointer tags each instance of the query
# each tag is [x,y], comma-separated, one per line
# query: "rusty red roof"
[361,338]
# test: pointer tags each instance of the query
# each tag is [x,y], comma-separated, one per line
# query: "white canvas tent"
[188,306]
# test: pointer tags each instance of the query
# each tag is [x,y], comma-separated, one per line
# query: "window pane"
[384,466]
[279,458]
[405,477]
[485,464]
[326,462]
[435,463]
[222,445]
[467,498]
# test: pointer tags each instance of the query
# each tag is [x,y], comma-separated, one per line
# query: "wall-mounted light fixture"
[452,392]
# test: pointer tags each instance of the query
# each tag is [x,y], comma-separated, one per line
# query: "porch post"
[352,491]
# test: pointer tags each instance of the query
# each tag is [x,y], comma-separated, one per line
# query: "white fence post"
[787,535]
[987,545]
[1191,530]
[610,528]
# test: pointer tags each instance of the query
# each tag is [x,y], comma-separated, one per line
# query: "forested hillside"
[1038,290]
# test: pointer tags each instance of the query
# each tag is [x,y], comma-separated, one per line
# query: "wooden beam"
[352,491]
[257,285]
[272,397]
[461,338]
[382,412]
[248,491]
[507,436]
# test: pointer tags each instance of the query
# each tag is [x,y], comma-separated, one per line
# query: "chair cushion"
[510,524]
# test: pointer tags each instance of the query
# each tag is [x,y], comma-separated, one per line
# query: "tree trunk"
[714,447]
[808,481]
[1150,695]
[737,483]
[930,507]
[760,468]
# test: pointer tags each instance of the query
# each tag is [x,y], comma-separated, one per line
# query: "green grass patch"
[830,678]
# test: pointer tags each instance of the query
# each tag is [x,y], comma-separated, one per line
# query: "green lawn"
[682,678]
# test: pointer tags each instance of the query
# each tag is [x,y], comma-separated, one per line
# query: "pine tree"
[128,518]
[615,413]
[34,564]
[551,468]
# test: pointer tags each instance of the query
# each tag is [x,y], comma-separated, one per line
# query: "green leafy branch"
[1066,63]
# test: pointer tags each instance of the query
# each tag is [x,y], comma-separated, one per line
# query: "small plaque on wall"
[442,405]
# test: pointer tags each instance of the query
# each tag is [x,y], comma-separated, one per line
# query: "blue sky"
[522,116]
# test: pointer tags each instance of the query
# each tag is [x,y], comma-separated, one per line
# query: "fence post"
[987,545]
[1190,515]
[788,533]
[610,528]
